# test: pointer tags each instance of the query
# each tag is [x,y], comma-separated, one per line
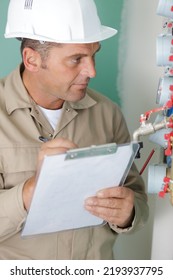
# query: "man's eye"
[76,60]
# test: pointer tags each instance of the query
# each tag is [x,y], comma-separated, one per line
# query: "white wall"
[138,81]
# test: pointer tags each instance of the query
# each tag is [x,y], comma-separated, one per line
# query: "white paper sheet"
[63,185]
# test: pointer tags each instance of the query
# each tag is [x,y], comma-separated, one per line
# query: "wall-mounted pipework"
[160,176]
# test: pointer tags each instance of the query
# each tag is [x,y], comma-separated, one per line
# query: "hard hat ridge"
[63,21]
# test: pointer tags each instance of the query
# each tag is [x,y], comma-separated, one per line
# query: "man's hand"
[114,205]
[52,147]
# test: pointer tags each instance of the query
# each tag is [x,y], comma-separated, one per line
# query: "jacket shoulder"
[103,100]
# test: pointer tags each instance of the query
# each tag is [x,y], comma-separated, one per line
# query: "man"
[48,97]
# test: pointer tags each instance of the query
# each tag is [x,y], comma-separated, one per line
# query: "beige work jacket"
[93,120]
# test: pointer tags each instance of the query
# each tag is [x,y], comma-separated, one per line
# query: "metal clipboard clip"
[92,151]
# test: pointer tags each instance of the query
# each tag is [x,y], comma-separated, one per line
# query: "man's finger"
[114,192]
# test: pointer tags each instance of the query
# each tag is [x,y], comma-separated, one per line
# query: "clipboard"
[66,180]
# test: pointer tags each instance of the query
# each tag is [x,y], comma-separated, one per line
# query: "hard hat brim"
[105,33]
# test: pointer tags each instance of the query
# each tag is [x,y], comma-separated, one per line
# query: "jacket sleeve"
[141,210]
[12,212]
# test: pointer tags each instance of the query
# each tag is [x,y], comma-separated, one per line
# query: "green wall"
[9,48]
[106,61]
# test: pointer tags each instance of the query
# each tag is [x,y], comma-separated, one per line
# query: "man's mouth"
[81,85]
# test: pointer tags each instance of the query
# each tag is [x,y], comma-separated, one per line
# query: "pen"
[43,139]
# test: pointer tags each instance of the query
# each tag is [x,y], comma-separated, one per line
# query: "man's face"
[68,70]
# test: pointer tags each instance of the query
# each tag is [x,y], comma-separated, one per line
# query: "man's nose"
[89,69]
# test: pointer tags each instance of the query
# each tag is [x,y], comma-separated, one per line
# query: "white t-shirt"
[52,116]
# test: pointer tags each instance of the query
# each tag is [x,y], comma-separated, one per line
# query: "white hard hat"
[64,21]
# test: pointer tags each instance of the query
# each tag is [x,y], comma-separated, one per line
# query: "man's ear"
[31,59]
